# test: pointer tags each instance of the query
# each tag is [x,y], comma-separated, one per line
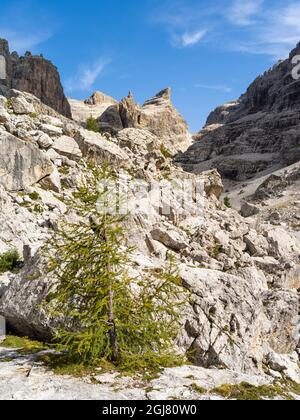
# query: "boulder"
[171,238]
[249,210]
[21,106]
[67,146]
[94,145]
[21,164]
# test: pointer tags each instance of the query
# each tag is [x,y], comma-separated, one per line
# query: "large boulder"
[21,164]
[94,145]
[233,324]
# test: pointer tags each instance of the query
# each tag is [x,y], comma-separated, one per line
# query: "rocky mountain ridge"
[257,133]
[36,75]
[158,115]
[242,322]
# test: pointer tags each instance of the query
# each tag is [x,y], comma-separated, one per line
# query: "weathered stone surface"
[21,164]
[35,75]
[258,132]
[249,210]
[94,145]
[159,116]
[170,238]
[102,107]
[68,147]
[21,106]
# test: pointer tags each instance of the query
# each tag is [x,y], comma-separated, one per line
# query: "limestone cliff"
[36,75]
[257,133]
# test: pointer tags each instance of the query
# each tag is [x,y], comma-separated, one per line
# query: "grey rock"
[21,164]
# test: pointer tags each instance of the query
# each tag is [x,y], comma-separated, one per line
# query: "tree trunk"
[112,333]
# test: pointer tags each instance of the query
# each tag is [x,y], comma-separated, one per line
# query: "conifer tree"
[108,315]
[92,125]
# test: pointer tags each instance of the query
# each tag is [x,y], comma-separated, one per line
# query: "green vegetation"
[198,389]
[64,170]
[23,344]
[215,251]
[92,125]
[112,318]
[227,202]
[38,208]
[9,261]
[246,391]
[33,115]
[34,196]
[165,151]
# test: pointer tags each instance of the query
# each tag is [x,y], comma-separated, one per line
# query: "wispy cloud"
[276,34]
[250,26]
[189,39]
[87,75]
[244,12]
[29,25]
[220,88]
[22,41]
[182,24]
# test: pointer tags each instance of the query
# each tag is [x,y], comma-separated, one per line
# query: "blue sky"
[207,51]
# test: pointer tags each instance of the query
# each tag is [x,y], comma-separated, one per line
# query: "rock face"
[21,164]
[35,75]
[157,115]
[101,107]
[254,134]
[243,274]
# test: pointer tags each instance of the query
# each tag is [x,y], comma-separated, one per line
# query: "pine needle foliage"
[92,125]
[106,314]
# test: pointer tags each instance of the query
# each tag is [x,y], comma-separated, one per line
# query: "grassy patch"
[198,389]
[23,344]
[38,208]
[246,391]
[61,365]
[9,261]
[215,251]
[34,196]
[64,170]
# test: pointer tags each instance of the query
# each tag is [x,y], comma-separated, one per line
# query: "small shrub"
[227,202]
[215,251]
[165,151]
[92,125]
[199,389]
[38,208]
[34,196]
[33,115]
[9,261]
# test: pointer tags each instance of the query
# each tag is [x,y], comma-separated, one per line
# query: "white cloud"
[23,41]
[220,88]
[189,39]
[248,26]
[87,75]
[243,12]
[278,33]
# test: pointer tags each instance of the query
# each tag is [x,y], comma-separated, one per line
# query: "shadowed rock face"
[258,132]
[36,75]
